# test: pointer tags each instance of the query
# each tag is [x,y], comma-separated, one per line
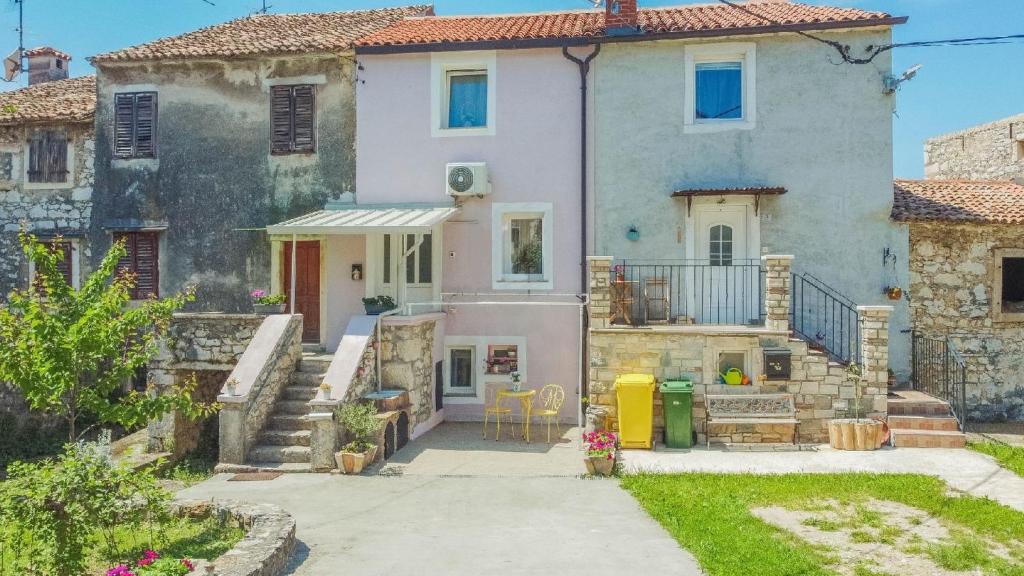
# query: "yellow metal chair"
[551,398]
[492,407]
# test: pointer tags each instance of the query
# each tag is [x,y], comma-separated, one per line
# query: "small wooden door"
[307,285]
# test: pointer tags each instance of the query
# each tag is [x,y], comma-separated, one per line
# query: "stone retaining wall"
[407,363]
[268,543]
[952,271]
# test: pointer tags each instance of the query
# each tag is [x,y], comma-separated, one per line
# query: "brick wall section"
[626,18]
[993,151]
[777,287]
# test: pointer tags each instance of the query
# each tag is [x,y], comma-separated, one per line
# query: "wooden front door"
[307,285]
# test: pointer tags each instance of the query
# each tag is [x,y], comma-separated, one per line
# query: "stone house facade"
[205,138]
[967,282]
[992,151]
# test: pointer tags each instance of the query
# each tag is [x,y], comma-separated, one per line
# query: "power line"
[874,51]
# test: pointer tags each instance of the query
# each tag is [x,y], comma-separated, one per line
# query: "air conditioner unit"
[467,179]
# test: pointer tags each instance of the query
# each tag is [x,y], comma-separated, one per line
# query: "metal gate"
[940,370]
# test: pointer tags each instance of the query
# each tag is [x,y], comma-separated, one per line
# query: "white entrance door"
[406,270]
[726,278]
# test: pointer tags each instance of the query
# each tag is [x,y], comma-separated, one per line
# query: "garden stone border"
[268,543]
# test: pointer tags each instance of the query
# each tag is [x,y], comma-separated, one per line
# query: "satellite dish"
[12,65]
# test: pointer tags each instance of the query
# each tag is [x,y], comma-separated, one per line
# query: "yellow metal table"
[525,398]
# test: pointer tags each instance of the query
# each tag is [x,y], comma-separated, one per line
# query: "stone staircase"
[918,420]
[283,444]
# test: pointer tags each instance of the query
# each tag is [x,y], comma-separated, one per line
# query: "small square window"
[502,359]
[719,90]
[467,99]
[522,246]
[461,380]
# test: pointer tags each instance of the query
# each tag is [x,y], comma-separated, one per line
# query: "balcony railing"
[645,292]
[823,317]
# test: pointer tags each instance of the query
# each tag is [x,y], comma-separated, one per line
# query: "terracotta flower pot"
[600,466]
[351,462]
[854,434]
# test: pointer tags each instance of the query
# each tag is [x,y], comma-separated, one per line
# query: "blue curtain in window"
[467,100]
[720,90]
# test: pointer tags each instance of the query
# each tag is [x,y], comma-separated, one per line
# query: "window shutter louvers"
[281,119]
[146,280]
[124,125]
[145,125]
[56,167]
[64,265]
[36,157]
[303,118]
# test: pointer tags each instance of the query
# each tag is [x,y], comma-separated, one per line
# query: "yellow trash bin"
[635,396]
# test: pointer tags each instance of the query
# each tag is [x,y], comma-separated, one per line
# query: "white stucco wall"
[823,131]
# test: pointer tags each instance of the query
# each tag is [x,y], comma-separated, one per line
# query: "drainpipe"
[584,66]
[291,301]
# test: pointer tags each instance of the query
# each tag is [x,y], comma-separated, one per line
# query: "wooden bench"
[770,409]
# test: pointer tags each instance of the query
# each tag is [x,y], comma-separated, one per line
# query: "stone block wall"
[993,151]
[952,271]
[206,346]
[62,210]
[407,363]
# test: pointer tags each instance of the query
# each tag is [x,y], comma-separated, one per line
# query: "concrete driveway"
[476,510]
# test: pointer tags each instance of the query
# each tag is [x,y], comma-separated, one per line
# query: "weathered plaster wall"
[993,151]
[951,291]
[823,131]
[63,209]
[214,179]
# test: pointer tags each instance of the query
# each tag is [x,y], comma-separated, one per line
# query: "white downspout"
[295,243]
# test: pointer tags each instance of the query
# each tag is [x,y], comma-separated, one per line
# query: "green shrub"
[361,423]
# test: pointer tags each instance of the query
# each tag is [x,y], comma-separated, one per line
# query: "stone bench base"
[751,433]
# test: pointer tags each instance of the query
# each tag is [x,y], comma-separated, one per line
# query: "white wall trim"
[482,379]
[500,213]
[697,53]
[443,62]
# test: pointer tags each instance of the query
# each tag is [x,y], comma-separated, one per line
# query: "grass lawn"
[1009,457]
[710,515]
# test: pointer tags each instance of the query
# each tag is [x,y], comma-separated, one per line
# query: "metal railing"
[645,292]
[823,317]
[940,370]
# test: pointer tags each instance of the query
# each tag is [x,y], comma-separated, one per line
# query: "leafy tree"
[70,351]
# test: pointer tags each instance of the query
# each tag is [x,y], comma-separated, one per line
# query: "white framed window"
[69,266]
[522,246]
[471,363]
[720,87]
[720,245]
[419,264]
[460,371]
[463,94]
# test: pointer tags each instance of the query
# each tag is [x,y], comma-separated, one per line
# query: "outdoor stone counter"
[268,543]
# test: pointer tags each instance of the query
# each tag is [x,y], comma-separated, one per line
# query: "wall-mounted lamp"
[633,234]
[357,272]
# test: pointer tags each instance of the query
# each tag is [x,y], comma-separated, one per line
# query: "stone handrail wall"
[268,543]
[260,375]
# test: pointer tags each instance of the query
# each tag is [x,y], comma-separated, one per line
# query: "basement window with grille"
[1009,285]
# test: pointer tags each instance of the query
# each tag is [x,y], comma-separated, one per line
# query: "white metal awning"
[368,218]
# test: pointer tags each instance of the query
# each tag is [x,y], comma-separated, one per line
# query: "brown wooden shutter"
[64,265]
[282,132]
[145,125]
[147,276]
[303,117]
[56,167]
[36,157]
[124,125]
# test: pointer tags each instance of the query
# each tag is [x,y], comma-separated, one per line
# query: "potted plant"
[326,389]
[361,424]
[263,303]
[856,433]
[517,383]
[378,305]
[601,447]
[232,387]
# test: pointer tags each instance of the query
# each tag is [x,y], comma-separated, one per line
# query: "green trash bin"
[677,400]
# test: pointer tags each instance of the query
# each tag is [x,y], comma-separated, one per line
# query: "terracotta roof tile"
[46,51]
[269,34]
[590,23]
[71,100]
[982,201]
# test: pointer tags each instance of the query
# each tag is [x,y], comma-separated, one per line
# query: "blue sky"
[957,87]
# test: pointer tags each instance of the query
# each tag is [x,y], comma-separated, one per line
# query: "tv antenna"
[266,8]
[14,64]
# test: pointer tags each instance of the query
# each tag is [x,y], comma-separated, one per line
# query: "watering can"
[733,377]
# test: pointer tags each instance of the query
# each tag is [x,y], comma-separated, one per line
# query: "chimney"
[620,17]
[46,64]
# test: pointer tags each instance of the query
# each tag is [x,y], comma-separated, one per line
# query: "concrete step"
[899,407]
[286,437]
[289,467]
[306,393]
[307,379]
[928,439]
[289,422]
[944,423]
[271,453]
[298,407]
[315,363]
